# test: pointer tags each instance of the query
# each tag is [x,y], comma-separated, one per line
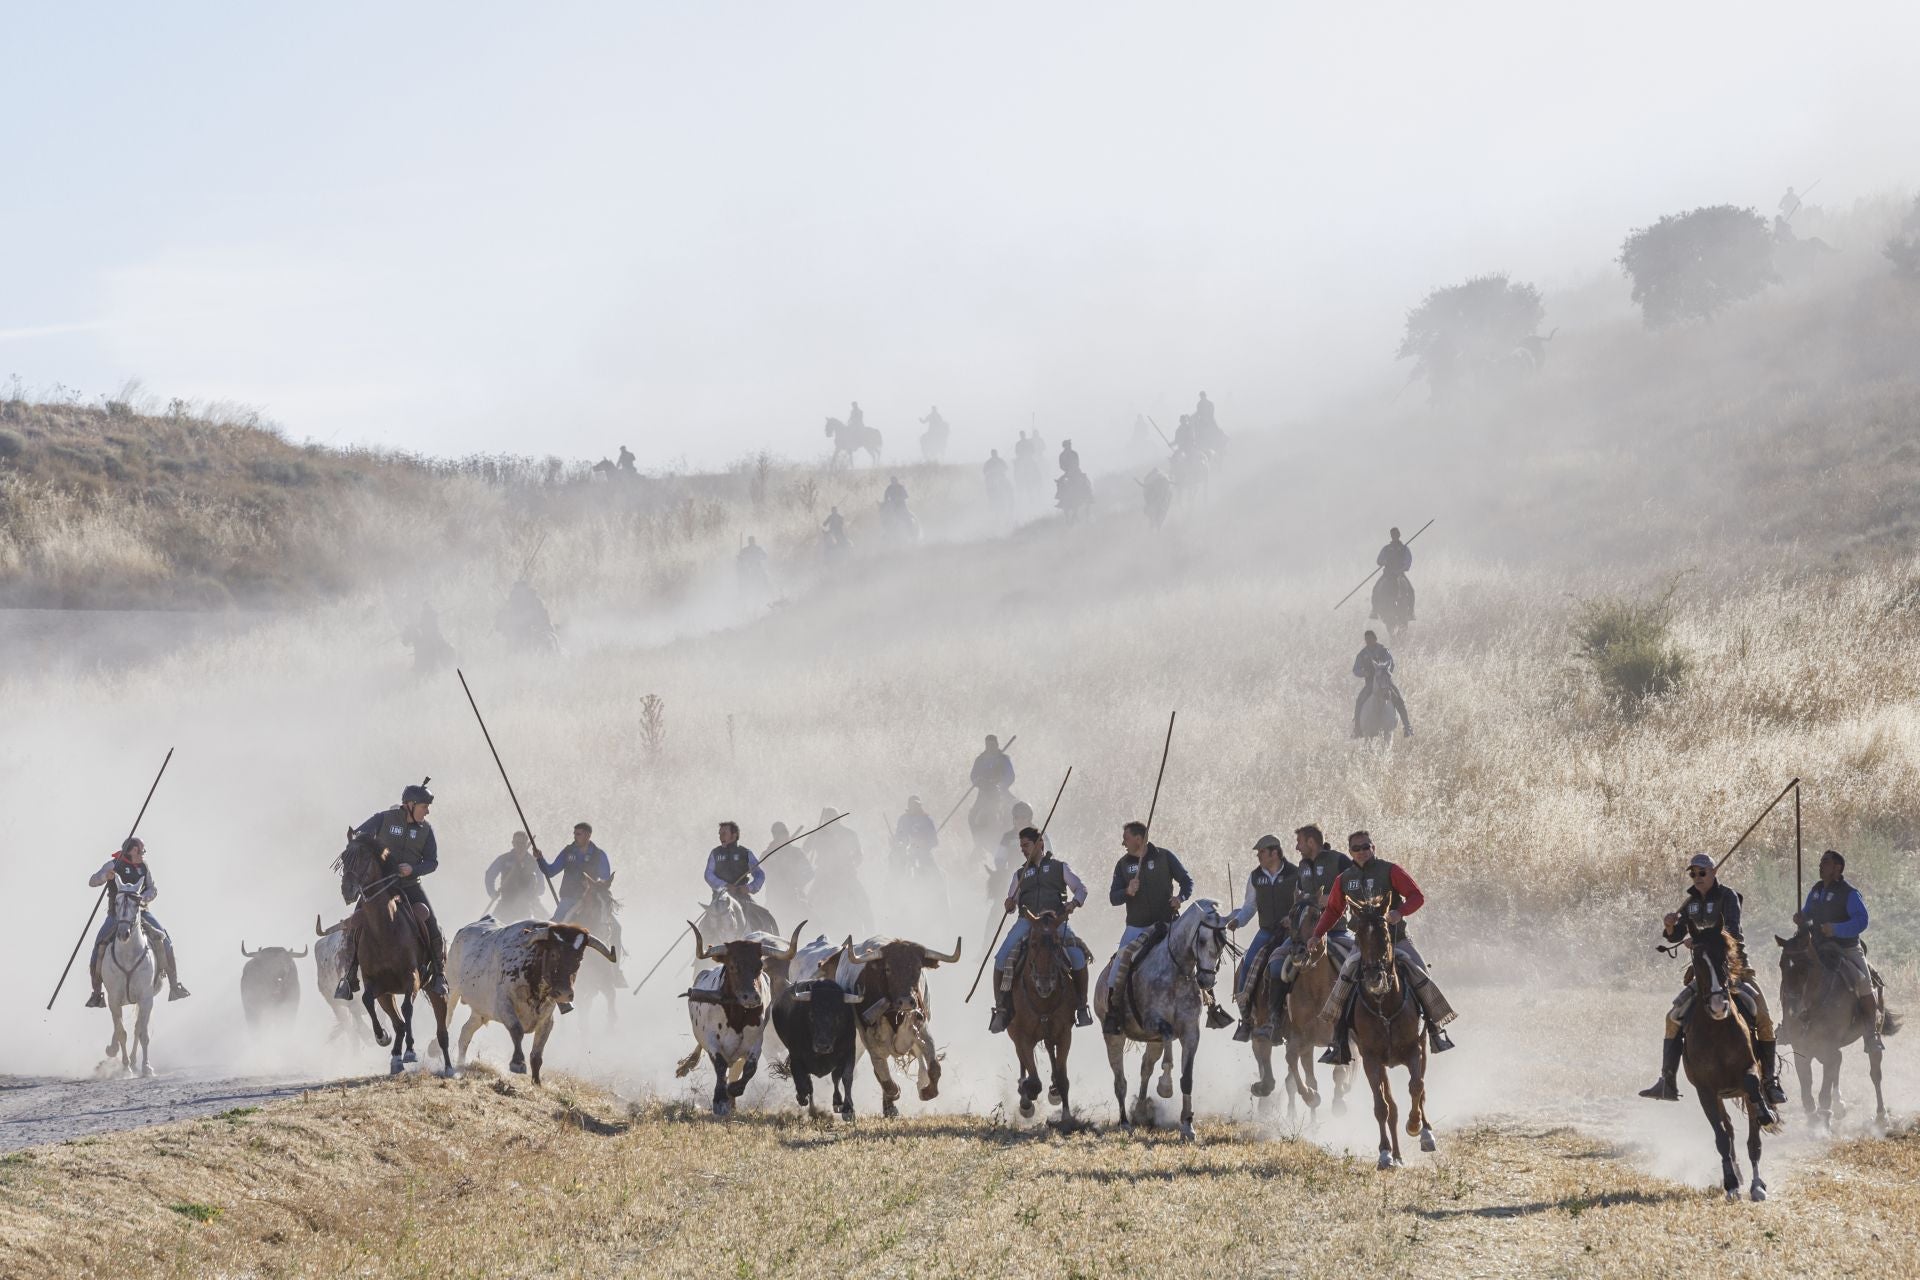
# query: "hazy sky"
[701,229]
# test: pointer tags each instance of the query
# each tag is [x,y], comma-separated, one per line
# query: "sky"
[700,230]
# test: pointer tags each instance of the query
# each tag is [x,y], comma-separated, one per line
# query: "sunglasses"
[1698,872]
[1363,848]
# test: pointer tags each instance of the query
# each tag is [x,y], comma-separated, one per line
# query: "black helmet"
[417,794]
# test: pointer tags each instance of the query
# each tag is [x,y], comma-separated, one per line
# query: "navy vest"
[1043,888]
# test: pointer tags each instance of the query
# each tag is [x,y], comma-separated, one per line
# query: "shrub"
[1690,266]
[11,444]
[1628,645]
[1903,249]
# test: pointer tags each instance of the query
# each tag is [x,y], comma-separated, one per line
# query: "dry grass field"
[482,1177]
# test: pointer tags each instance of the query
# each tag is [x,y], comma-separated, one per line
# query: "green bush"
[1628,645]
[1903,249]
[11,444]
[1690,266]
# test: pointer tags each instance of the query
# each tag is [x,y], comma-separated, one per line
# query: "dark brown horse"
[1721,1062]
[1818,1003]
[390,944]
[1386,1027]
[1043,1008]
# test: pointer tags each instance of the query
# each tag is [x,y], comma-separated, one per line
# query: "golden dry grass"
[479,1177]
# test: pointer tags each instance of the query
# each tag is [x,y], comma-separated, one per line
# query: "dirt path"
[36,1110]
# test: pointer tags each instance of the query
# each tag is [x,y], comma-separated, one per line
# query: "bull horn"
[243,950]
[301,954]
[937,958]
[700,951]
[318,932]
[793,945]
[602,948]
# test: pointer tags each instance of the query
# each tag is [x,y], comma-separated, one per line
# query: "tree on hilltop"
[1465,331]
[1691,266]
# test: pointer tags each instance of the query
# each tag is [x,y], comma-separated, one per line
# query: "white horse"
[1168,983]
[851,440]
[130,974]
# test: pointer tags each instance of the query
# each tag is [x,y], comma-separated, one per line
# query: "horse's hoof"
[1053,1095]
[518,1067]
[1733,1195]
[1260,1088]
[1165,1088]
[1186,1131]
[1386,1160]
[1426,1141]
[146,1073]
[381,1038]
[1026,1109]
[889,1111]
[394,1068]
[928,1092]
[1758,1191]
[1339,1106]
[409,1057]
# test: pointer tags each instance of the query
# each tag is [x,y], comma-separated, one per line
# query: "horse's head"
[360,864]
[1200,932]
[1709,983]
[126,911]
[1374,940]
[833,424]
[1799,962]
[1043,947]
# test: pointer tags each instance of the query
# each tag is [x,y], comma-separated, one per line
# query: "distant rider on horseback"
[1371,880]
[1394,560]
[1710,907]
[404,839]
[128,868]
[1319,867]
[1151,884]
[1271,889]
[733,869]
[1006,856]
[1373,660]
[991,778]
[1837,915]
[915,838]
[513,879]
[1042,884]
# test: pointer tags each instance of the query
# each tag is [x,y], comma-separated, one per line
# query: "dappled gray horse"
[1167,1005]
[129,975]
[1377,716]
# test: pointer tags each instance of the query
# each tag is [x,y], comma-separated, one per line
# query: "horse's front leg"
[1057,1061]
[1722,1140]
[1029,1074]
[1757,1189]
[1873,1074]
[1189,1048]
[140,1024]
[1149,1054]
[1382,1110]
[1117,1060]
[1417,1125]
[1803,1068]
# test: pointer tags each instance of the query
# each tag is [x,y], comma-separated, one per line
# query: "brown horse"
[1817,1001]
[1305,1025]
[1043,1008]
[390,943]
[1721,1062]
[1386,1027]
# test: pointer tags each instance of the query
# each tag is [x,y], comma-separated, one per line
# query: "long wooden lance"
[539,860]
[969,791]
[1794,787]
[1376,569]
[1165,748]
[109,884]
[763,862]
[1004,913]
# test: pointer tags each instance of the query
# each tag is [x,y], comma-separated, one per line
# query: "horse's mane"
[1738,970]
[1187,926]
[359,866]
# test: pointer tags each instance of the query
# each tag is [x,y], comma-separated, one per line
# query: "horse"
[933,442]
[596,910]
[1304,1024]
[898,524]
[1721,1063]
[1386,1027]
[989,818]
[1393,603]
[129,974]
[1816,999]
[1073,494]
[1378,719]
[1043,1008]
[1168,982]
[851,440]
[390,943]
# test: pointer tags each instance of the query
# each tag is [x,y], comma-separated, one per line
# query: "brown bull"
[885,975]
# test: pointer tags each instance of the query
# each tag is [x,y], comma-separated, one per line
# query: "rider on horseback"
[915,838]
[1373,661]
[1394,560]
[896,494]
[1006,855]
[405,840]
[834,529]
[1709,908]
[1271,889]
[1042,884]
[1837,915]
[991,778]
[1151,884]
[1375,880]
[1069,459]
[514,880]
[582,866]
[733,869]
[128,868]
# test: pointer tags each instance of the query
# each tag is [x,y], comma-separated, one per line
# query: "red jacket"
[1411,900]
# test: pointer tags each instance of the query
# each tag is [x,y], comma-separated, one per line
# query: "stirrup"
[1218,1018]
[1243,1033]
[1338,1054]
[1083,1016]
[1437,1041]
[1662,1090]
[1774,1093]
[1001,1019]
[97,1000]
[178,991]
[344,989]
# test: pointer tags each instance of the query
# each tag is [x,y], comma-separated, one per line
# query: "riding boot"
[437,946]
[1277,992]
[1770,1072]
[1244,1031]
[176,990]
[349,982]
[1002,1007]
[1664,1089]
[98,999]
[1082,1016]
[1340,1052]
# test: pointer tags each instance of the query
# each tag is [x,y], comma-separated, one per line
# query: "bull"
[269,984]
[885,976]
[728,1009]
[815,1020]
[329,950]
[517,975]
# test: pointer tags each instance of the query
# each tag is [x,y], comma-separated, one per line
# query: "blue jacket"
[1818,899]
[573,863]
